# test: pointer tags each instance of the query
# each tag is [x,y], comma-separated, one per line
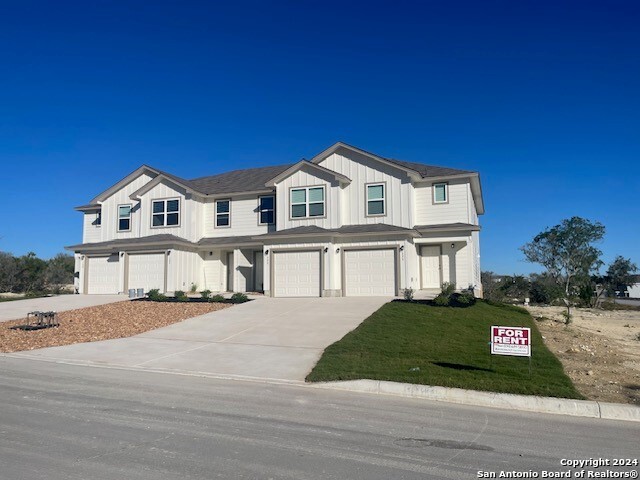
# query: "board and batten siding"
[183,269]
[163,191]
[363,170]
[244,217]
[108,230]
[454,211]
[302,178]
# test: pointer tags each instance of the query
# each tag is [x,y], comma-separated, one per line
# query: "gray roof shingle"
[248,180]
[139,241]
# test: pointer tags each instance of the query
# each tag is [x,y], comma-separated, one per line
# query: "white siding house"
[345,223]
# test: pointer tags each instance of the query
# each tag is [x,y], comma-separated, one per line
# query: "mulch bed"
[104,322]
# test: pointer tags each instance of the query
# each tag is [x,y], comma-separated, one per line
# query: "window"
[98,220]
[440,193]
[266,210]
[307,202]
[375,199]
[124,218]
[165,213]
[223,213]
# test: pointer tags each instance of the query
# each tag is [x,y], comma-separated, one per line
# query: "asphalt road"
[73,422]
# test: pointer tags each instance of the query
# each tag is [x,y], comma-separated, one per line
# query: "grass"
[425,344]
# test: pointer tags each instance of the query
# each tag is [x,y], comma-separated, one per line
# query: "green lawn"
[449,346]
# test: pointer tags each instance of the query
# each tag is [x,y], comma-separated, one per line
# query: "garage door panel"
[103,275]
[370,273]
[296,274]
[146,270]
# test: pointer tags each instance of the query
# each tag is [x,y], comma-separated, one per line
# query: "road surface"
[73,422]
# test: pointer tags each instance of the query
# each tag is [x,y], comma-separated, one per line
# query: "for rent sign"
[511,341]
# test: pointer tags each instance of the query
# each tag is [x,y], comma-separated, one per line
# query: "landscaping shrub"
[155,296]
[218,298]
[408,294]
[239,297]
[464,299]
[448,288]
[205,294]
[193,288]
[181,296]
[441,300]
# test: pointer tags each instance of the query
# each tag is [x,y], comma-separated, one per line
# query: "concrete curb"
[558,406]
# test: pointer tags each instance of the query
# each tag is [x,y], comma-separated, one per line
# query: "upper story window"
[98,221]
[307,202]
[440,193]
[165,213]
[124,218]
[266,210]
[375,199]
[223,213]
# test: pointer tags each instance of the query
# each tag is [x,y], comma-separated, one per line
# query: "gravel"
[104,322]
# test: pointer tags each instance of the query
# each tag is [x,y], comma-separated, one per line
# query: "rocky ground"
[104,322]
[600,350]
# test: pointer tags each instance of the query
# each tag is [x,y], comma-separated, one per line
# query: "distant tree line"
[31,275]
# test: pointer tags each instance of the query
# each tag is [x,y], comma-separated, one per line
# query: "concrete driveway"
[60,303]
[268,338]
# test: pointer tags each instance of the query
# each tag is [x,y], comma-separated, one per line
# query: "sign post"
[514,341]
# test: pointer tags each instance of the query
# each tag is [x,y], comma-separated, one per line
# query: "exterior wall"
[457,209]
[90,231]
[183,269]
[634,290]
[109,226]
[188,211]
[363,170]
[244,218]
[303,178]
[457,263]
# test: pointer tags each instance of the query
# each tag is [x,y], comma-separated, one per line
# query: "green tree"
[8,272]
[59,271]
[30,277]
[620,274]
[568,253]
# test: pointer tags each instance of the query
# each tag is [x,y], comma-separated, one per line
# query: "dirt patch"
[600,350]
[104,322]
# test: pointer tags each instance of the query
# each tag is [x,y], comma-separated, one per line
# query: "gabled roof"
[238,181]
[307,164]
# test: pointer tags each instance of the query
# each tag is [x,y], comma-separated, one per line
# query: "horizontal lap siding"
[90,232]
[456,210]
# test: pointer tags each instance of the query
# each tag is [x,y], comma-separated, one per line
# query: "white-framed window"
[307,202]
[98,220]
[223,213]
[267,210]
[376,199]
[165,212]
[124,218]
[440,193]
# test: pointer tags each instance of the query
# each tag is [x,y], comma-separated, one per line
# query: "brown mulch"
[104,322]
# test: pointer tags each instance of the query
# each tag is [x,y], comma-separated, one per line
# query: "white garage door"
[296,274]
[102,274]
[146,270]
[370,273]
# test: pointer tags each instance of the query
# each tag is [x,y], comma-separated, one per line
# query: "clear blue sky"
[542,98]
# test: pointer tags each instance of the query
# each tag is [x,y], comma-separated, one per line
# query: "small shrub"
[181,296]
[239,297]
[155,296]
[408,294]
[464,299]
[217,298]
[448,288]
[205,294]
[442,300]
[193,288]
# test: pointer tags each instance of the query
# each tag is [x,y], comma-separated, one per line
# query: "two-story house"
[345,223]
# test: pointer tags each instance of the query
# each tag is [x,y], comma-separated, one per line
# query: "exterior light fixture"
[401,247]
[338,250]
[266,252]
[326,249]
[453,245]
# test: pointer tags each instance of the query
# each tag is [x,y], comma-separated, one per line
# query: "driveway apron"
[267,338]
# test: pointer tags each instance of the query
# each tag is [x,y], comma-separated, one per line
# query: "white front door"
[370,273]
[146,270]
[430,257]
[296,274]
[103,274]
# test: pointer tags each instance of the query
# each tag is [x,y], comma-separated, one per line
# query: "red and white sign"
[511,341]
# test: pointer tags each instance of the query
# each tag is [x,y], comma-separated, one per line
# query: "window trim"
[118,217]
[98,221]
[384,199]
[165,213]
[306,203]
[267,210]
[215,213]
[446,193]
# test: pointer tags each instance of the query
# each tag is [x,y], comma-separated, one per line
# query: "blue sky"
[542,98]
